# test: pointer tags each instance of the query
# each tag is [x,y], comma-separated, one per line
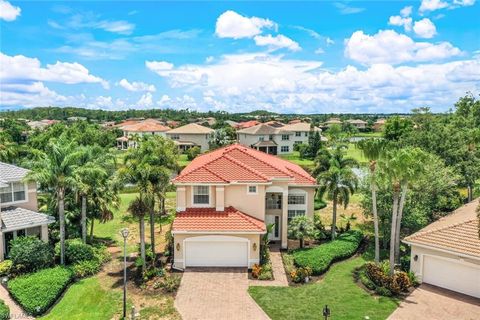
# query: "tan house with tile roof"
[446,253]
[133,129]
[191,135]
[225,199]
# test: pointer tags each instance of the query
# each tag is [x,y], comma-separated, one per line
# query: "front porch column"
[181,199]
[44,233]
[285,219]
[220,198]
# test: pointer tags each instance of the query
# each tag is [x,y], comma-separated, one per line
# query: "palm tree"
[338,182]
[372,150]
[8,148]
[103,199]
[54,170]
[138,208]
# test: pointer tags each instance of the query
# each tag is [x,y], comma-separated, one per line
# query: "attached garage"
[446,253]
[452,274]
[216,251]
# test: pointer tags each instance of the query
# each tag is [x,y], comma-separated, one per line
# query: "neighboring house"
[18,208]
[73,119]
[225,199]
[275,140]
[133,131]
[379,125]
[247,124]
[41,124]
[231,123]
[209,120]
[446,253]
[359,124]
[333,121]
[191,135]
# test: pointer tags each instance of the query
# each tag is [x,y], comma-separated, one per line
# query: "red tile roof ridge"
[306,176]
[243,165]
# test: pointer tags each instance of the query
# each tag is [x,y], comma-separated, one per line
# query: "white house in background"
[18,208]
[275,140]
[138,129]
[333,121]
[225,199]
[191,135]
[358,123]
[446,253]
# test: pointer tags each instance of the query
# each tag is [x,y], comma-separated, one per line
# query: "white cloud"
[145,101]
[8,12]
[424,28]
[388,46]
[136,86]
[120,27]
[464,3]
[329,41]
[29,95]
[90,20]
[346,9]
[400,21]
[233,25]
[277,42]
[159,66]
[432,5]
[406,11]
[165,99]
[20,68]
[319,51]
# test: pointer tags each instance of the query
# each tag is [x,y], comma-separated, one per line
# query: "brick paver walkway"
[432,303]
[216,293]
[15,311]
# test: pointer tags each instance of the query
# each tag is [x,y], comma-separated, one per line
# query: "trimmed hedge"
[320,258]
[75,251]
[36,292]
[4,311]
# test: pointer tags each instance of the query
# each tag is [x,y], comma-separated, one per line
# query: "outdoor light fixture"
[124,232]
[254,246]
[326,312]
[415,258]
[178,246]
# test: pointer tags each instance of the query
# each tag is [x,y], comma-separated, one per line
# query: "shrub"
[383,291]
[301,228]
[366,281]
[300,274]
[36,292]
[379,275]
[256,270]
[101,254]
[320,258]
[4,311]
[266,272]
[30,254]
[169,283]
[75,251]
[192,153]
[5,267]
[86,268]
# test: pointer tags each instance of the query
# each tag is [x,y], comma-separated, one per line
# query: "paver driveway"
[216,293]
[433,303]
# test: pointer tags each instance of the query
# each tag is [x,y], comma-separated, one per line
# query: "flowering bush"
[384,283]
[256,270]
[300,274]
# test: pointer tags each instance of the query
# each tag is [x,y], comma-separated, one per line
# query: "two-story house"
[191,135]
[225,199]
[274,139]
[18,206]
[137,129]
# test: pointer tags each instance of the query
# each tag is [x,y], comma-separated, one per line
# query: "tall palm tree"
[103,199]
[338,182]
[54,170]
[139,208]
[372,150]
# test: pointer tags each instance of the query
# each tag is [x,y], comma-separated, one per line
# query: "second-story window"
[175,137]
[14,192]
[285,137]
[252,190]
[298,134]
[201,195]
[261,138]
[296,199]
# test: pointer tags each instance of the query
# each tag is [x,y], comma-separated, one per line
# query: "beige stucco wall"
[416,266]
[199,139]
[179,242]
[30,202]
[250,139]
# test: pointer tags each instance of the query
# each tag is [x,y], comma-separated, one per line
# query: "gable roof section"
[208,219]
[15,217]
[148,125]
[300,126]
[191,128]
[457,232]
[262,129]
[238,163]
[10,173]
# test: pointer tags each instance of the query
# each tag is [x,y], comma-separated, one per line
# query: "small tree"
[192,153]
[301,228]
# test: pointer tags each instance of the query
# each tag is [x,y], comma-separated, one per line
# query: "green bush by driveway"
[321,257]
[4,311]
[36,292]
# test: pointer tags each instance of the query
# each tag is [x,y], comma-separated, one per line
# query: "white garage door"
[216,251]
[452,275]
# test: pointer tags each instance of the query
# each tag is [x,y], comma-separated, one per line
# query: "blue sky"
[295,57]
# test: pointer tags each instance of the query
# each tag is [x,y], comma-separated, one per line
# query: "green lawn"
[86,299]
[355,153]
[338,290]
[295,158]
[183,160]
[369,134]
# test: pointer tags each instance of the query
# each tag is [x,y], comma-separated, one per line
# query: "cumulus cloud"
[399,21]
[20,69]
[277,42]
[32,94]
[432,5]
[136,86]
[388,46]
[233,25]
[145,101]
[424,28]
[8,12]
[159,66]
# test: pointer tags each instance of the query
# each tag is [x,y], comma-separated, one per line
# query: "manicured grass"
[338,290]
[355,153]
[369,134]
[295,158]
[183,161]
[86,299]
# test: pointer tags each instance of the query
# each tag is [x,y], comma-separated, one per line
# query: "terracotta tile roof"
[208,219]
[456,232]
[148,125]
[238,163]
[191,128]
[247,124]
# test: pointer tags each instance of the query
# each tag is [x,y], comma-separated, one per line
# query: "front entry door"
[275,220]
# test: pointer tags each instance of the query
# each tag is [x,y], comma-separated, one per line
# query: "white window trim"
[298,206]
[27,191]
[202,205]
[252,193]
